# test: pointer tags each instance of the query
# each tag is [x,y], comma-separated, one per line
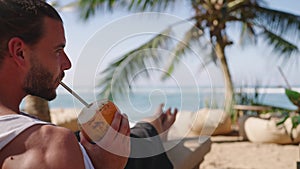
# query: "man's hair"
[23,19]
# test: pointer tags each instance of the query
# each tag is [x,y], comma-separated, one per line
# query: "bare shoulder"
[43,146]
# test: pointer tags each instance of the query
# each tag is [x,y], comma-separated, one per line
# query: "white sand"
[230,154]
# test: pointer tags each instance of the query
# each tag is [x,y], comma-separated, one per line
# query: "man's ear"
[16,49]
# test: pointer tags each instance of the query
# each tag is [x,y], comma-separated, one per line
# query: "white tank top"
[12,125]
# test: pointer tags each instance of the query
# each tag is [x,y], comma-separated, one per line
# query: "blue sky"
[252,65]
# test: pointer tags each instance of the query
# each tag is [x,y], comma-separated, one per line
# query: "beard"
[39,82]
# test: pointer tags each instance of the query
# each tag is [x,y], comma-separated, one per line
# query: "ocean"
[144,101]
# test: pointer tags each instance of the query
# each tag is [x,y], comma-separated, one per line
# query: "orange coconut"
[95,120]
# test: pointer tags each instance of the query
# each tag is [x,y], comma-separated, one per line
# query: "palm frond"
[248,34]
[281,23]
[211,58]
[121,72]
[54,3]
[234,5]
[153,5]
[70,6]
[279,44]
[192,35]
[89,7]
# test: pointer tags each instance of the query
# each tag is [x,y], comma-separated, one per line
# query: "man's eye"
[59,52]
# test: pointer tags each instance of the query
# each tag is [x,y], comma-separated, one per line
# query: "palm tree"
[38,107]
[278,29]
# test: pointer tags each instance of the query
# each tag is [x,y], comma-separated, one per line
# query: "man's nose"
[66,63]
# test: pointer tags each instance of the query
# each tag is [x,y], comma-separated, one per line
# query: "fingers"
[170,114]
[120,123]
[169,118]
[115,124]
[159,110]
[85,142]
[168,111]
[124,127]
[175,112]
[124,137]
[161,106]
[116,139]
[119,128]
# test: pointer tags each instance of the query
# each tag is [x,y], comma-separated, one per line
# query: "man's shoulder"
[50,138]
[49,134]
[52,146]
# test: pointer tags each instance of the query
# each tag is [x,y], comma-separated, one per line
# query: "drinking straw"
[74,94]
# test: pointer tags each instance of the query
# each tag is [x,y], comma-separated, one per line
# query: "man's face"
[48,62]
[39,81]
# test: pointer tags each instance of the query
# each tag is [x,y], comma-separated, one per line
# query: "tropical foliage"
[294,97]
[279,30]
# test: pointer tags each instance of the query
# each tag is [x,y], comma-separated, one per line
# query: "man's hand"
[113,150]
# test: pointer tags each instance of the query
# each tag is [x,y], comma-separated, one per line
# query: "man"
[33,61]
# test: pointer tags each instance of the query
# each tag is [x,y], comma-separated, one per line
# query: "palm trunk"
[38,107]
[228,81]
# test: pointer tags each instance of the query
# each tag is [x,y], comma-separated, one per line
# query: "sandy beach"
[227,152]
